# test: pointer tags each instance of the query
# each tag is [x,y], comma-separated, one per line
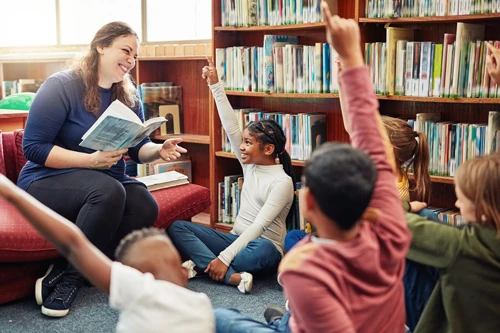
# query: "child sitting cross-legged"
[255,244]
[147,287]
[348,277]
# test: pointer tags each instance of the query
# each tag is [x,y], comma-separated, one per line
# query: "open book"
[118,128]
[163,180]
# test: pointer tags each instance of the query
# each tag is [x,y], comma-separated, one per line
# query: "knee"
[295,235]
[149,210]
[178,227]
[109,192]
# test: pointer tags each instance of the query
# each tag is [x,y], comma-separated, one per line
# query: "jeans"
[419,281]
[232,321]
[292,238]
[202,245]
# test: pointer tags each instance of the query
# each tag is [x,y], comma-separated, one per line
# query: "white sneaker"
[190,265]
[246,283]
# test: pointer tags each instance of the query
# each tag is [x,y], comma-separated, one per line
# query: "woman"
[88,187]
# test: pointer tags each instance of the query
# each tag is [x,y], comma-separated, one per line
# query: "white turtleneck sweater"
[267,194]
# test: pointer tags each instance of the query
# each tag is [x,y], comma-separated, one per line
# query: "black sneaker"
[274,313]
[59,301]
[46,284]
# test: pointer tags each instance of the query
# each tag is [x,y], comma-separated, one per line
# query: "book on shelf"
[153,96]
[118,128]
[393,36]
[163,180]
[493,132]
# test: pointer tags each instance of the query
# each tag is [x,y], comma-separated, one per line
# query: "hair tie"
[284,150]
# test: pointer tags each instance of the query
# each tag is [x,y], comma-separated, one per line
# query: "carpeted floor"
[91,312]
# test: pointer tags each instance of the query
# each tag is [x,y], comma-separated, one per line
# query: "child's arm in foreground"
[226,113]
[63,234]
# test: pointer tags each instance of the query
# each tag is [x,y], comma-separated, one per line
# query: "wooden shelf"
[164,58]
[305,26]
[189,138]
[278,95]
[433,19]
[437,179]
[231,155]
[201,219]
[440,99]
[224,226]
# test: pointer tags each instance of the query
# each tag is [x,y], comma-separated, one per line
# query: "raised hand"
[492,62]
[209,72]
[170,150]
[105,159]
[343,35]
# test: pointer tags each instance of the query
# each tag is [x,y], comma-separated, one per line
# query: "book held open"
[118,128]
[163,180]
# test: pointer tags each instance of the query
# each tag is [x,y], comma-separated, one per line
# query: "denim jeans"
[292,238]
[202,245]
[232,321]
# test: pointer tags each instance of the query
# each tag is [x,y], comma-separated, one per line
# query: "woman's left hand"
[216,270]
[170,150]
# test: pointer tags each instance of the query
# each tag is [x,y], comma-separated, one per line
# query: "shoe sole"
[54,313]
[38,286]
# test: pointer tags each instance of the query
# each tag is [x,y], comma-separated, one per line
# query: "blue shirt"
[58,117]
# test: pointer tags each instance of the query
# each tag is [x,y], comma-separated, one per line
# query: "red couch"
[24,254]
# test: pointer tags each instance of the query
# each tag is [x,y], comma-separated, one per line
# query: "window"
[80,20]
[176,20]
[37,22]
[28,23]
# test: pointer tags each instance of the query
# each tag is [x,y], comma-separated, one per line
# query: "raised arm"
[226,112]
[366,129]
[63,234]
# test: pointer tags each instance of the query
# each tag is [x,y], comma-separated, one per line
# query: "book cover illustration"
[153,97]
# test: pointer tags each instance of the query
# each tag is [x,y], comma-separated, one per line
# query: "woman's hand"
[170,150]
[417,206]
[105,159]
[216,270]
[209,72]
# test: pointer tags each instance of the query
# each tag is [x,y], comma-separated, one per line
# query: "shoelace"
[64,290]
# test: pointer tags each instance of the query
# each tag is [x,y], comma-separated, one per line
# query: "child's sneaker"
[274,313]
[190,265]
[46,284]
[246,283]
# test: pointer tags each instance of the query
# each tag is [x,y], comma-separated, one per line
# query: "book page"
[112,134]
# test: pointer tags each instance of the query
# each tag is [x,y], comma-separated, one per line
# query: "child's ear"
[269,149]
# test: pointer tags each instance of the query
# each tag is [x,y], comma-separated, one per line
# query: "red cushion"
[180,203]
[19,241]
[20,159]
[18,280]
[2,161]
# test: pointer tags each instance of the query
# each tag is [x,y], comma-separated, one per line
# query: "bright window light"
[28,23]
[80,20]
[178,20]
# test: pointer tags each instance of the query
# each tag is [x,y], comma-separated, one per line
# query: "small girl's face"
[250,148]
[466,206]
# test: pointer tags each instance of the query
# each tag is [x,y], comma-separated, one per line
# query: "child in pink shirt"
[348,277]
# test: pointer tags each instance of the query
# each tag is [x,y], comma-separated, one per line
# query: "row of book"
[450,216]
[413,8]
[451,143]
[247,13]
[21,85]
[455,68]
[303,131]
[280,66]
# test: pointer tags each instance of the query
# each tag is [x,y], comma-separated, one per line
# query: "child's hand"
[216,270]
[492,62]
[417,206]
[209,72]
[7,187]
[343,35]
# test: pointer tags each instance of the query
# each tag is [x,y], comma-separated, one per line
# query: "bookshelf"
[183,71]
[372,30]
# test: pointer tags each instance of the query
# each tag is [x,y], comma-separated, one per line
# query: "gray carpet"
[91,312]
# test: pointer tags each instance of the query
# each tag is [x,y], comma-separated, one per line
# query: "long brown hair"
[479,181]
[88,68]
[410,146]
